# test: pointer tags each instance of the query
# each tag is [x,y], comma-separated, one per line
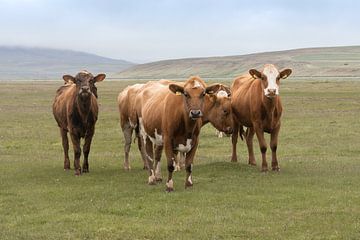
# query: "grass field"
[315,196]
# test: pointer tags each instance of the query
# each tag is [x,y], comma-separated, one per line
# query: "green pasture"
[316,195]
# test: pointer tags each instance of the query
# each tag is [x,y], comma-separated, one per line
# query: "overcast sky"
[149,30]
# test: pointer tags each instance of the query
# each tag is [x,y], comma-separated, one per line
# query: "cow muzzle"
[271,93]
[84,91]
[194,114]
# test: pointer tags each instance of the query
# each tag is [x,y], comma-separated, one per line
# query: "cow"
[130,102]
[256,104]
[128,118]
[172,120]
[75,110]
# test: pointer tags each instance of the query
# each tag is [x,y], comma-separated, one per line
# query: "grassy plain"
[315,196]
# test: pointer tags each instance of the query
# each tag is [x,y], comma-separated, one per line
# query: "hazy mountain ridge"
[44,63]
[307,62]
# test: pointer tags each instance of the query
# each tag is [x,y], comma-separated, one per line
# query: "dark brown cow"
[75,110]
[256,105]
[172,119]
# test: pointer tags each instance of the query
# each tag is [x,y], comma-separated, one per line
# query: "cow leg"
[77,152]
[150,161]
[170,156]
[127,131]
[262,143]
[65,144]
[234,139]
[158,151]
[249,136]
[86,149]
[142,150]
[273,145]
[189,164]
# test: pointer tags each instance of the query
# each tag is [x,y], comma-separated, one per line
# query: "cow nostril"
[195,113]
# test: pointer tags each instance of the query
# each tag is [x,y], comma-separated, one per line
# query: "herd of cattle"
[168,114]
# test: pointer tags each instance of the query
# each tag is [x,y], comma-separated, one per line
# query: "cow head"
[270,79]
[85,83]
[193,93]
[220,112]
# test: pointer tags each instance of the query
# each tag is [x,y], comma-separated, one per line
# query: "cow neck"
[208,104]
[190,126]
[270,107]
[83,106]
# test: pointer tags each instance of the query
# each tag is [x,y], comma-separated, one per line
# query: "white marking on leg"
[170,184]
[151,179]
[190,179]
[158,170]
[132,125]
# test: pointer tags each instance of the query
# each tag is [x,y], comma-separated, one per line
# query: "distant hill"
[309,62]
[43,63]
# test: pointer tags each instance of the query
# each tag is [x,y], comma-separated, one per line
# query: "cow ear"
[285,73]
[255,73]
[176,88]
[100,77]
[69,79]
[212,88]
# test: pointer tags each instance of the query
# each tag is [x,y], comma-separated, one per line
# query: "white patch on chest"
[158,141]
[222,93]
[185,148]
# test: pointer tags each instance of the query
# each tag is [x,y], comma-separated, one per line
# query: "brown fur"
[257,112]
[75,110]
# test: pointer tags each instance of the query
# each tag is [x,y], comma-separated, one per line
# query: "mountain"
[309,62]
[43,63]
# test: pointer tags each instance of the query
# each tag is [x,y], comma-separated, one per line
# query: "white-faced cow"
[256,105]
[75,110]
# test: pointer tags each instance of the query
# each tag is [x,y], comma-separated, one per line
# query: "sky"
[150,30]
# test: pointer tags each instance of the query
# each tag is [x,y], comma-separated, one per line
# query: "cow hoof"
[151,180]
[77,173]
[85,170]
[264,170]
[233,160]
[252,163]
[168,189]
[276,169]
[188,185]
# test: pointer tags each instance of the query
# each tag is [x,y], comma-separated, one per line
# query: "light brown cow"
[217,111]
[75,110]
[172,119]
[256,105]
[128,118]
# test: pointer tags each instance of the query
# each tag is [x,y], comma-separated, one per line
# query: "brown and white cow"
[172,120]
[75,110]
[217,111]
[256,105]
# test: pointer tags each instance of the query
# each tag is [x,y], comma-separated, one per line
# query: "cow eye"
[186,94]
[203,94]
[225,111]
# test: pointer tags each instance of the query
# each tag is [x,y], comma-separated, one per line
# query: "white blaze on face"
[271,74]
[197,84]
[185,148]
[222,93]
